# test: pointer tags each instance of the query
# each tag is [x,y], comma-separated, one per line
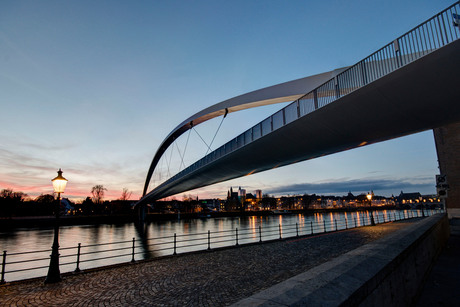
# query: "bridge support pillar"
[447,140]
[141,212]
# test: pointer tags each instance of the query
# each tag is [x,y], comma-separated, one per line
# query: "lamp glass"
[369,196]
[59,183]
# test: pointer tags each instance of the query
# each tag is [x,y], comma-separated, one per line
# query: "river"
[106,244]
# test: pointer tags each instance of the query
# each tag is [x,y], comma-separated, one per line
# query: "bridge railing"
[24,265]
[436,32]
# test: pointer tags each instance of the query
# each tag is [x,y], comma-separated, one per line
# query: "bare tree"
[9,193]
[98,193]
[126,194]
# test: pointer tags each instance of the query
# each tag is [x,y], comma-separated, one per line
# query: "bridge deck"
[417,97]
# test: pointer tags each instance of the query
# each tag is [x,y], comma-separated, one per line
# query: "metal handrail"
[209,239]
[421,40]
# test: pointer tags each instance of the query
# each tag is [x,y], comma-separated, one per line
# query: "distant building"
[407,199]
[233,202]
[241,194]
[258,194]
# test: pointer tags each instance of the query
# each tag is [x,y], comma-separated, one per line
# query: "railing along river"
[81,257]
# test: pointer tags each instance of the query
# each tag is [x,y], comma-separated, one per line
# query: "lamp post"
[421,205]
[54,275]
[369,197]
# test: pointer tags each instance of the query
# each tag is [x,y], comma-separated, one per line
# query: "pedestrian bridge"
[408,86]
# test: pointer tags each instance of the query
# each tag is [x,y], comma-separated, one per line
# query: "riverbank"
[68,220]
[209,278]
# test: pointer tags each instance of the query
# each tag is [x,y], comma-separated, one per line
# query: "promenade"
[211,278]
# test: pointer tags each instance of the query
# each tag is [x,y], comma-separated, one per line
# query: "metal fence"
[29,264]
[429,36]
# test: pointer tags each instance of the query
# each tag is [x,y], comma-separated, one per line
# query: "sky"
[94,87]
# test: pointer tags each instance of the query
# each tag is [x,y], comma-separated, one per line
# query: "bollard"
[209,239]
[134,242]
[174,244]
[324,222]
[346,223]
[335,221]
[297,228]
[395,216]
[78,259]
[236,236]
[311,226]
[355,222]
[2,281]
[260,233]
[363,221]
[280,231]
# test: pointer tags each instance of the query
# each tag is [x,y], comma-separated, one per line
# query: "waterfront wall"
[447,140]
[387,272]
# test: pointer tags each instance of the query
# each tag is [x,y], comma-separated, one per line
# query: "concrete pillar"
[141,212]
[447,140]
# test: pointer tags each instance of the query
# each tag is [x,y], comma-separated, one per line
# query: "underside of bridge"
[420,96]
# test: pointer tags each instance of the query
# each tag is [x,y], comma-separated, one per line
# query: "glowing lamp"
[369,196]
[59,183]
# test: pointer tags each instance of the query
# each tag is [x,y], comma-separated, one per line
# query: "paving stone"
[215,278]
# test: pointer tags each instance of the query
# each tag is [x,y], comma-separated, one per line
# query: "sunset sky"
[93,87]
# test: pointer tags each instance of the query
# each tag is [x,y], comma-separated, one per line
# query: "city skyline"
[94,88]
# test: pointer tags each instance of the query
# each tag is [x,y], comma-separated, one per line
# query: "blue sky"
[93,87]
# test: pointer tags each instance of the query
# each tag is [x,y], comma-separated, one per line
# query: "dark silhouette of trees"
[10,202]
[87,206]
[45,199]
[126,194]
[98,194]
[44,205]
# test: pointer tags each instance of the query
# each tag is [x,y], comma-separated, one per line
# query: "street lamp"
[421,205]
[54,275]
[369,197]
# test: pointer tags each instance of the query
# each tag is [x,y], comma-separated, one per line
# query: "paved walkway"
[215,278]
[443,283]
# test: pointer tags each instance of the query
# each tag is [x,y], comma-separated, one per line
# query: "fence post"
[236,236]
[324,222]
[280,230]
[364,224]
[260,233]
[2,281]
[297,228]
[175,240]
[335,221]
[78,258]
[311,226]
[209,239]
[134,242]
[356,225]
[346,223]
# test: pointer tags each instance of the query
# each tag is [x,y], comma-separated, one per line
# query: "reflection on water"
[156,238]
